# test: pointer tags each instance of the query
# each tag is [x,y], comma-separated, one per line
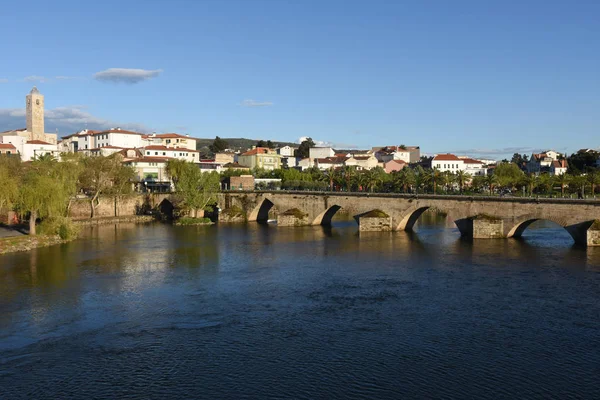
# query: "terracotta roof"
[258,150]
[559,163]
[471,161]
[446,157]
[398,161]
[8,146]
[174,136]
[38,142]
[362,158]
[330,160]
[207,161]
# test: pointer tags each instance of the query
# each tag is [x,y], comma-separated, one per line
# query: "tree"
[196,190]
[10,176]
[490,182]
[261,143]
[270,144]
[175,168]
[304,148]
[461,178]
[593,178]
[218,145]
[519,159]
[508,174]
[39,194]
[563,180]
[98,177]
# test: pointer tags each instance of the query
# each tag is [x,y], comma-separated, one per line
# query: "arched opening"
[326,216]
[545,229]
[261,213]
[427,218]
[166,209]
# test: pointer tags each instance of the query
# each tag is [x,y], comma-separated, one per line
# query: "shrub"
[193,221]
[61,226]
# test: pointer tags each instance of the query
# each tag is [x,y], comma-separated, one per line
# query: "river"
[266,312]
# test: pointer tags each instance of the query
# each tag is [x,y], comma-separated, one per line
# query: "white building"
[558,167]
[29,149]
[171,140]
[320,152]
[286,151]
[447,162]
[172,152]
[474,167]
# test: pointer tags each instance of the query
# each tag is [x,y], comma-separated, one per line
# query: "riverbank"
[14,244]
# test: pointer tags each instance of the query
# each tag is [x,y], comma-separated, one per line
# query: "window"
[147,153]
[168,141]
[156,153]
[164,154]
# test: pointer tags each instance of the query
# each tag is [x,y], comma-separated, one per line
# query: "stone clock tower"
[35,114]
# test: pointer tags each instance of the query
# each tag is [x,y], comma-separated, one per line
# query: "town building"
[260,157]
[362,162]
[558,167]
[394,165]
[447,162]
[171,140]
[539,162]
[151,173]
[7,149]
[320,152]
[287,151]
[34,120]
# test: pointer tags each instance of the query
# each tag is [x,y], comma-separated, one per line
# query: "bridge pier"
[585,233]
[374,221]
[293,217]
[481,227]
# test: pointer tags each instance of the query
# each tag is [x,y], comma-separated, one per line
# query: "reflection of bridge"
[477,217]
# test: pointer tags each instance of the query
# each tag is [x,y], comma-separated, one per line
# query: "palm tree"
[436,177]
[563,180]
[462,177]
[490,182]
[594,179]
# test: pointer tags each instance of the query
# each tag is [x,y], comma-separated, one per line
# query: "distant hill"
[238,143]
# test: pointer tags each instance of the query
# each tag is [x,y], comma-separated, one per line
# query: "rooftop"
[38,142]
[446,157]
[7,146]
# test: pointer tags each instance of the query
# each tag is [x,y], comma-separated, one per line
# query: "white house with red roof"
[447,162]
[7,148]
[171,140]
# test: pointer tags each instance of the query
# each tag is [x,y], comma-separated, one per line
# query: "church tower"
[35,115]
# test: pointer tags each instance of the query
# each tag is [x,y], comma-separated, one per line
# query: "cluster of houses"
[149,153]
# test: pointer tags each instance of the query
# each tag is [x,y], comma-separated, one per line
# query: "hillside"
[237,143]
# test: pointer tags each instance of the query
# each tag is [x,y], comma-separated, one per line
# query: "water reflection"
[227,311]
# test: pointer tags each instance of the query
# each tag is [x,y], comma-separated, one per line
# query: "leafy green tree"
[508,175]
[10,176]
[304,148]
[174,168]
[196,190]
[39,194]
[98,177]
[218,145]
[490,182]
[261,143]
[593,178]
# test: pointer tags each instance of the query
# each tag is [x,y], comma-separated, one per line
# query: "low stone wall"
[292,220]
[108,207]
[375,224]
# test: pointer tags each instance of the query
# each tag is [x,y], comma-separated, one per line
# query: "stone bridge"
[476,217]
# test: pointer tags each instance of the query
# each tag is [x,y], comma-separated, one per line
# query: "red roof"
[398,161]
[471,161]
[15,130]
[446,157]
[7,146]
[171,136]
[258,150]
[38,142]
[559,164]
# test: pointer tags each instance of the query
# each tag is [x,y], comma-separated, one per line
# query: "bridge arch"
[524,222]
[325,217]
[261,211]
[166,209]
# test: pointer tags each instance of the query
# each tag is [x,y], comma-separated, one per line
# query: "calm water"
[234,312]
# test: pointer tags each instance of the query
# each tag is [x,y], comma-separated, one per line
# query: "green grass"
[377,213]
[186,221]
[295,213]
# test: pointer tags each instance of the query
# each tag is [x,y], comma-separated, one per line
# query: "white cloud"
[66,120]
[126,75]
[254,103]
[3,80]
[35,78]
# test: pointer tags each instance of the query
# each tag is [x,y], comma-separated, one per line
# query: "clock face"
[37,102]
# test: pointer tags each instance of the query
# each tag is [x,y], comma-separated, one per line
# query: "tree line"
[44,189]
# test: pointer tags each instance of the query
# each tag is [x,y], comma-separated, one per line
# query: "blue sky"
[477,77]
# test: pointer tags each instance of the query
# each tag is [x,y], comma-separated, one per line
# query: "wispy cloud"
[3,80]
[35,78]
[126,75]
[66,120]
[254,103]
[68,78]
